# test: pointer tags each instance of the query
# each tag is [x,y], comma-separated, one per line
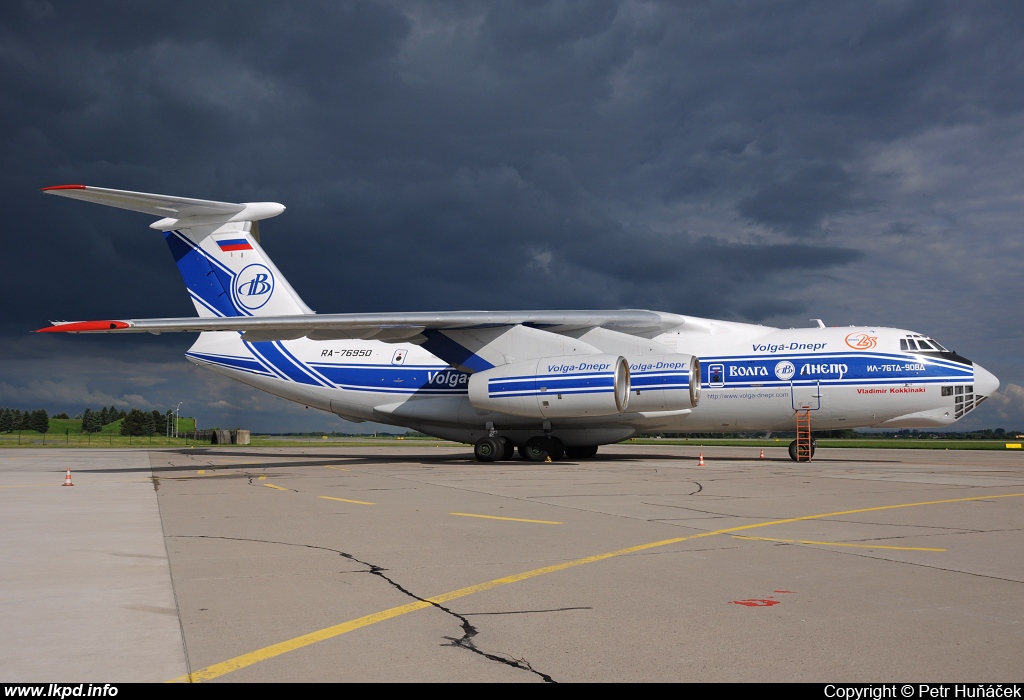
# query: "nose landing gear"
[796,457]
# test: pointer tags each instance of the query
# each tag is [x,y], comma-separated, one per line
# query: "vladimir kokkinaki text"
[923,690]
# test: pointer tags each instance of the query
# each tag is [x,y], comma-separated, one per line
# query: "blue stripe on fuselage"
[847,369]
[232,362]
[834,369]
[270,353]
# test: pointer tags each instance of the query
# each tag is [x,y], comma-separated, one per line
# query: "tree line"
[133,422]
[16,419]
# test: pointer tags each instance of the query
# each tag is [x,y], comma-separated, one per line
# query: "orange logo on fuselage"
[861,341]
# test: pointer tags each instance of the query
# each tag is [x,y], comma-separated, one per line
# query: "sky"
[767,162]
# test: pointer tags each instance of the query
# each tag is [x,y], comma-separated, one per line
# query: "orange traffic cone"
[762,453]
[67,478]
[700,460]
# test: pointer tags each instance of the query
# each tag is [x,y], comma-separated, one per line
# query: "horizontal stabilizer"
[175,212]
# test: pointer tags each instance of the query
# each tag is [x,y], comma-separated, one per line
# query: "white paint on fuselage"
[848,377]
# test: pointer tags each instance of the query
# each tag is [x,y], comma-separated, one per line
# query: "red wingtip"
[85,327]
[63,187]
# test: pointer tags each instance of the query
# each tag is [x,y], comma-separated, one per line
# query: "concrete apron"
[85,580]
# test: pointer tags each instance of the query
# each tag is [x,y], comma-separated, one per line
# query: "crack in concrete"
[879,557]
[468,630]
[528,612]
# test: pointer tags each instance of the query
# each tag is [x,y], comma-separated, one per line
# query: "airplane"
[553,384]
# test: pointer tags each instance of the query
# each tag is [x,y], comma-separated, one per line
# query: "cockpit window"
[918,343]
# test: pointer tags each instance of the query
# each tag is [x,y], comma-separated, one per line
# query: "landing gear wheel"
[792,449]
[587,452]
[489,449]
[556,450]
[509,449]
[535,449]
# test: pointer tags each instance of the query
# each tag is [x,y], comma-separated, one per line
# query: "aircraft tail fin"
[216,248]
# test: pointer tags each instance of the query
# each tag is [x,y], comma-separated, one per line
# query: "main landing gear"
[536,449]
[489,449]
[492,449]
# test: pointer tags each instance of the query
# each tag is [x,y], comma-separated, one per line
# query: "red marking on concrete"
[756,602]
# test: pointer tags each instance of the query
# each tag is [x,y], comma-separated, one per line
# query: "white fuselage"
[753,378]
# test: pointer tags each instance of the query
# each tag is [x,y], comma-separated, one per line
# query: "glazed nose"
[985,383]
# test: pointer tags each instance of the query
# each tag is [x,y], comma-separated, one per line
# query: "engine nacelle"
[664,382]
[554,387]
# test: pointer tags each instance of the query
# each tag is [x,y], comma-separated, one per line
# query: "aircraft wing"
[385,326]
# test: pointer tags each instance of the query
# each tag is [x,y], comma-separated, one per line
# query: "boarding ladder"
[803,435]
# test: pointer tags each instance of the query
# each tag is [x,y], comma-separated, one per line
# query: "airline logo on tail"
[254,286]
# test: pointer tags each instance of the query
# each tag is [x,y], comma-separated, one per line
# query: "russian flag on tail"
[231,244]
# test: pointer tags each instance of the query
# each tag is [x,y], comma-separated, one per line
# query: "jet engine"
[554,387]
[664,382]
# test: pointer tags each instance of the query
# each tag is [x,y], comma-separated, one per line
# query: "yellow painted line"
[201,471]
[269,652]
[843,544]
[340,469]
[517,520]
[346,500]
[272,486]
[262,478]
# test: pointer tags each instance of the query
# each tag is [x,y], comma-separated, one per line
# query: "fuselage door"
[805,396]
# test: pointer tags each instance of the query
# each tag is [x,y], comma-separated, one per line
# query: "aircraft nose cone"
[985,383]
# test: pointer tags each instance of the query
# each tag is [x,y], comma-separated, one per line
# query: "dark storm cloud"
[753,161]
[798,204]
[516,28]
